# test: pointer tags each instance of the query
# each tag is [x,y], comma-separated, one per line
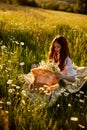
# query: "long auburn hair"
[64,52]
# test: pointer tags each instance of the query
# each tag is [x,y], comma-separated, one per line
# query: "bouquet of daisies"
[49,66]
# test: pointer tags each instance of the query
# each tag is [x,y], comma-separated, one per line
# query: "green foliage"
[81,6]
[28,2]
[50,5]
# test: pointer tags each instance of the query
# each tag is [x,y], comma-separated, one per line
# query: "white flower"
[23,93]
[81,101]
[17,42]
[6,112]
[78,95]
[8,103]
[17,87]
[3,47]
[23,102]
[41,88]
[49,65]
[58,105]
[11,90]
[22,43]
[9,81]
[74,119]
[69,105]
[13,85]
[17,93]
[66,93]
[9,61]
[81,126]
[81,92]
[1,102]
[62,90]
[22,63]
[8,69]
[47,93]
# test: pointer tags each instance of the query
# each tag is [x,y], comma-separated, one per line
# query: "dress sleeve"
[68,69]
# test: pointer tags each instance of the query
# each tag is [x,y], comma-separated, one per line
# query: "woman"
[60,55]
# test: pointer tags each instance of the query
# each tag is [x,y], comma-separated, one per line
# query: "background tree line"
[76,6]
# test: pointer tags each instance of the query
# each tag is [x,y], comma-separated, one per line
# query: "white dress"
[68,69]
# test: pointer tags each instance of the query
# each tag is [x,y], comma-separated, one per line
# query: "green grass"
[37,27]
[25,36]
[51,18]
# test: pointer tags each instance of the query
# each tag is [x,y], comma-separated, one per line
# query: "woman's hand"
[59,76]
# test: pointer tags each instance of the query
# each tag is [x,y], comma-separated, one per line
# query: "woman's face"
[57,47]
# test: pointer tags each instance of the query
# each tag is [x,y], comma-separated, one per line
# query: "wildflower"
[66,94]
[47,93]
[8,103]
[8,69]
[17,42]
[22,43]
[69,105]
[58,105]
[45,86]
[1,102]
[40,105]
[23,93]
[17,93]
[74,119]
[9,61]
[81,92]
[9,81]
[81,101]
[78,95]
[49,65]
[3,47]
[22,63]
[62,90]
[6,112]
[23,102]
[13,85]
[41,88]
[11,90]
[17,87]
[81,126]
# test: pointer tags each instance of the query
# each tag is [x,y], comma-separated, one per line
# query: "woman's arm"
[69,72]
[65,77]
[68,78]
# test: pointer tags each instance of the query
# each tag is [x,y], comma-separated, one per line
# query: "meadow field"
[25,37]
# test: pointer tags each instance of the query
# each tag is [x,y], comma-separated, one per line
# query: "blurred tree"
[28,2]
[82,6]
